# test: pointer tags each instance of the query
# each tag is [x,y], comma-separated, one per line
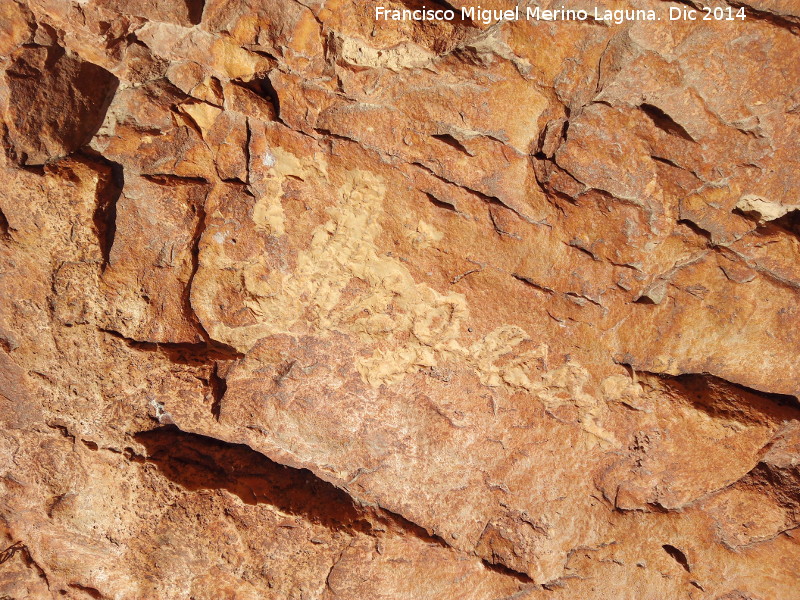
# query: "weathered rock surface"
[53,103]
[298,305]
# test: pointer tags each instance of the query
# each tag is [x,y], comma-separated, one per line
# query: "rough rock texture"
[298,305]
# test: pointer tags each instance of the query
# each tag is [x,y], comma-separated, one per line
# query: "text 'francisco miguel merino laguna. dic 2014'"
[476,14]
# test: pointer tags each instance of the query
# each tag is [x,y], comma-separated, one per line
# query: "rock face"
[300,305]
[53,103]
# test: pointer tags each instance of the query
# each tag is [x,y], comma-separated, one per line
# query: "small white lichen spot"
[269,160]
[219,237]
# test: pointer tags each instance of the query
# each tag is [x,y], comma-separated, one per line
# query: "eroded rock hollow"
[298,303]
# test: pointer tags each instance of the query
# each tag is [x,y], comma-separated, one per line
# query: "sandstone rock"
[184,12]
[53,103]
[296,304]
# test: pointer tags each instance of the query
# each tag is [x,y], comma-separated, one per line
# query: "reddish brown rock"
[54,102]
[298,305]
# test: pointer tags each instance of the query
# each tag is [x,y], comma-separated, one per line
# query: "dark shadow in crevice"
[109,189]
[89,591]
[195,8]
[530,282]
[695,228]
[451,141]
[218,386]
[644,299]
[197,462]
[667,161]
[491,200]
[440,203]
[720,398]
[184,353]
[790,223]
[678,555]
[261,86]
[5,228]
[186,295]
[664,122]
[170,180]
[504,570]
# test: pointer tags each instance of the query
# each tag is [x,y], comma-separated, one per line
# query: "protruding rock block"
[53,103]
